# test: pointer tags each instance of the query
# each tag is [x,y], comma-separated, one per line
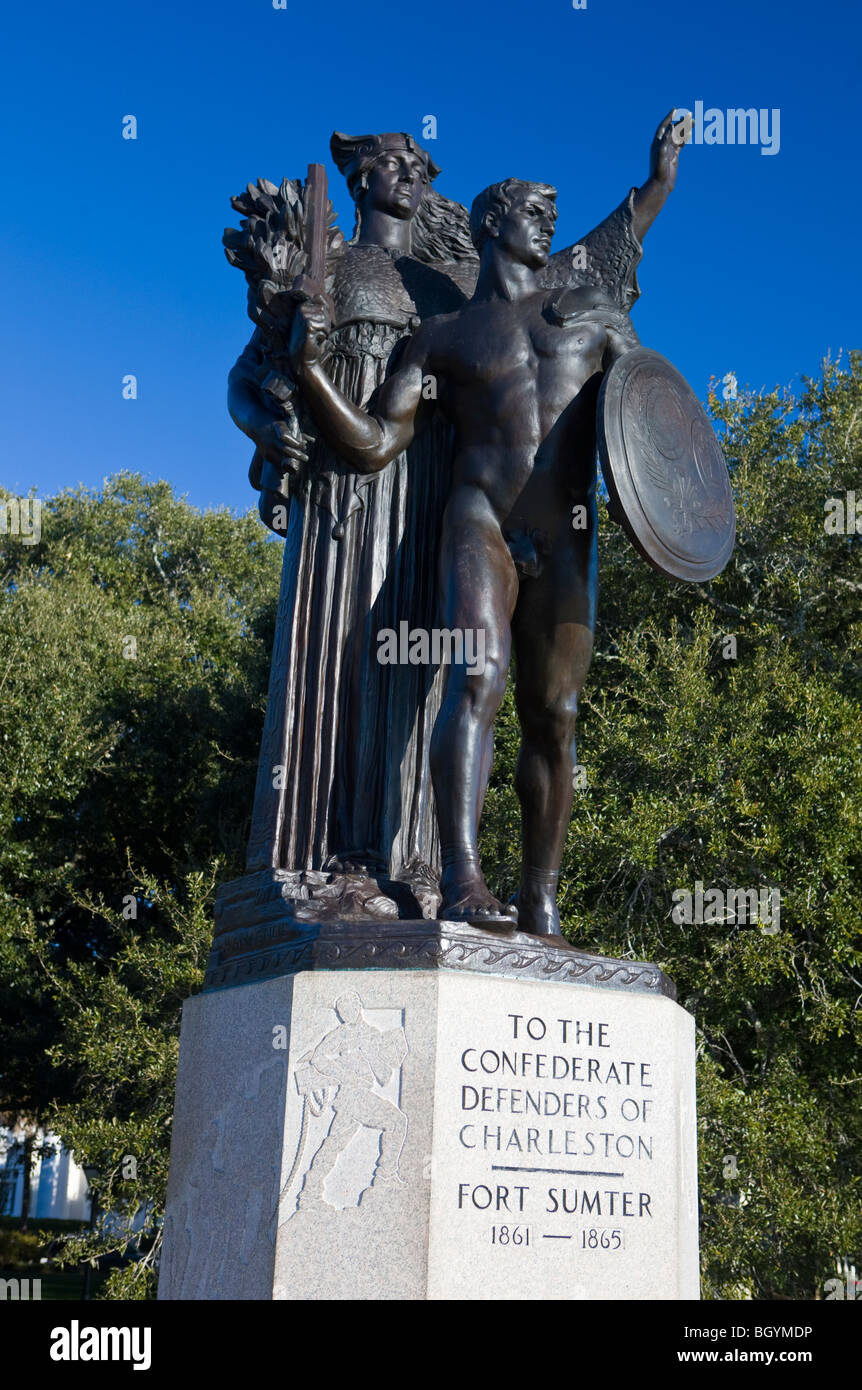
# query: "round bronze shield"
[664,468]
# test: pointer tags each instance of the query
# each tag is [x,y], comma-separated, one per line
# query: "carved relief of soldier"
[341,1071]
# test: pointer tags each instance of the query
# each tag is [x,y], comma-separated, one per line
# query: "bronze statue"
[369,359]
[517,373]
[348,823]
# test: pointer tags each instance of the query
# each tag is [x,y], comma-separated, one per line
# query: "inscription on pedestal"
[556,1146]
[530,1108]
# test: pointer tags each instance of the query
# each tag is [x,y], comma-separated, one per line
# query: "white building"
[58,1187]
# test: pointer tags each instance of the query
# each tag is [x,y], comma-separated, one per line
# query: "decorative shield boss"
[664,469]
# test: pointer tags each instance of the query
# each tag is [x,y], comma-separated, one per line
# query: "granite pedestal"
[424,1111]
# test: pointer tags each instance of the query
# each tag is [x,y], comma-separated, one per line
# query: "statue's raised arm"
[608,256]
[651,197]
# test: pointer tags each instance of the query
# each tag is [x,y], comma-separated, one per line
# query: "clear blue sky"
[111,249]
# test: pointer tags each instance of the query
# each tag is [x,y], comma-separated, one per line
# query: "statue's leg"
[553,636]
[479,586]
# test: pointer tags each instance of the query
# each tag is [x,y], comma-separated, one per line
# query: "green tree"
[135,639]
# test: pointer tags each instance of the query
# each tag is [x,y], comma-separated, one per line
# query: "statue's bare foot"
[467,899]
[537,906]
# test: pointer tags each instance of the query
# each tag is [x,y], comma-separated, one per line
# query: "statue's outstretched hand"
[667,143]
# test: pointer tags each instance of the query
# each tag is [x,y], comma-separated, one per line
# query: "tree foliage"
[135,640]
